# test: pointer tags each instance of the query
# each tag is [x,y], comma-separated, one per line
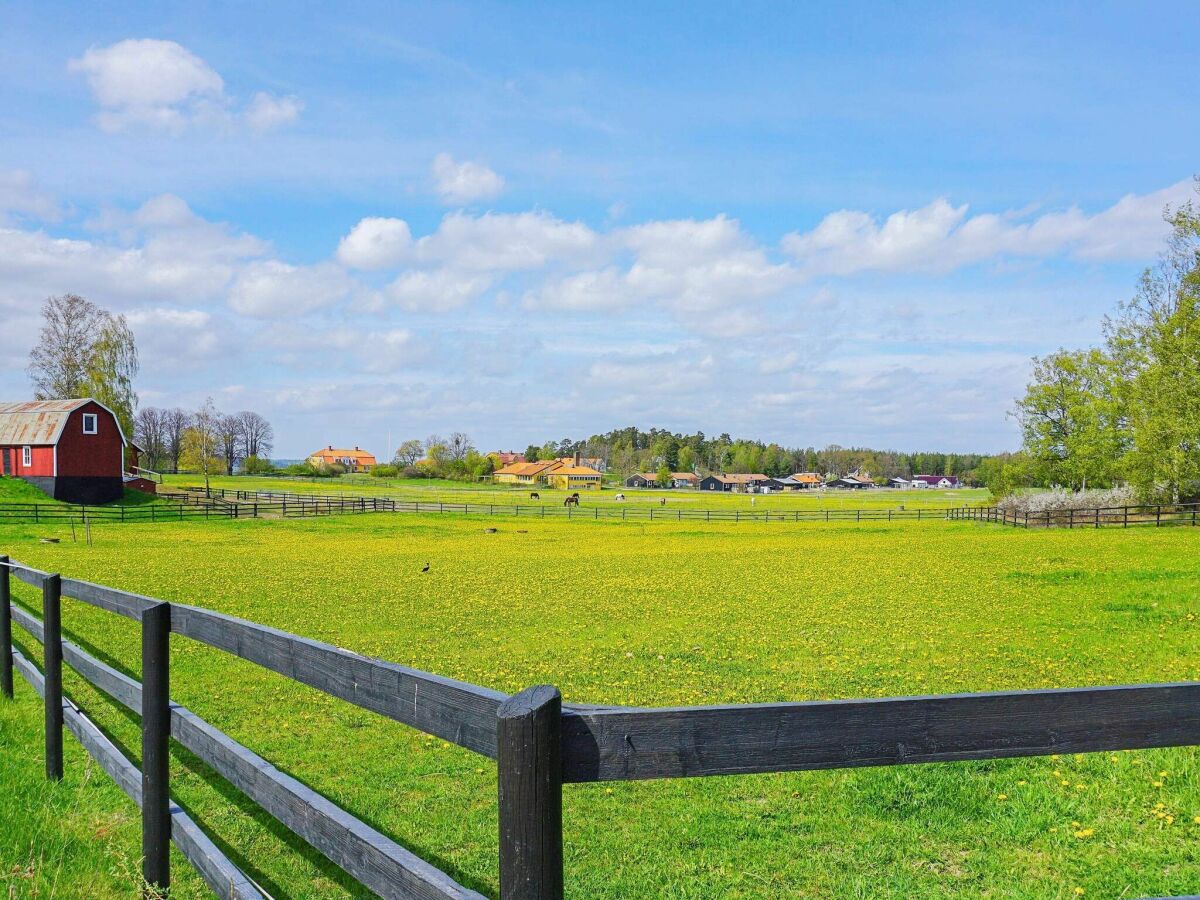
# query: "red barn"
[74,450]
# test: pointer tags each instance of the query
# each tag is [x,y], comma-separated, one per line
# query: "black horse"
[573,500]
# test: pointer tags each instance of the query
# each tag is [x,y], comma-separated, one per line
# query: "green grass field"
[648,614]
[434,490]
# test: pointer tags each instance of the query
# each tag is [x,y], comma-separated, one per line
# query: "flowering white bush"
[1059,500]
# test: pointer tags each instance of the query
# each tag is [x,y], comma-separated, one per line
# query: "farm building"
[736,482]
[650,479]
[73,450]
[574,478]
[356,460]
[526,472]
[506,457]
[936,481]
[852,482]
[899,483]
[592,462]
[808,480]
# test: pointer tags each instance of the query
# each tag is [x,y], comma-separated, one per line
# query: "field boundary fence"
[538,742]
[1157,515]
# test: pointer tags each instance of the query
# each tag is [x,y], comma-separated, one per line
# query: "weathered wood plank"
[24,573]
[530,788]
[123,603]
[615,744]
[455,711]
[368,855]
[225,879]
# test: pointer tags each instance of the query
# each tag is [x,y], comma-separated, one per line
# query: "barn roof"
[39,422]
[529,468]
[575,470]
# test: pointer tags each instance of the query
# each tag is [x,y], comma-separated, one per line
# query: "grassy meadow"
[647,614]
[434,490]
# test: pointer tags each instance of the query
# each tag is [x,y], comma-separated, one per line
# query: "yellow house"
[574,478]
[526,472]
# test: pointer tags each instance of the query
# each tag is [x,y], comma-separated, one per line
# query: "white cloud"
[272,288]
[178,334]
[161,85]
[438,291]
[463,182]
[376,243]
[584,292]
[507,241]
[940,237]
[266,112]
[20,196]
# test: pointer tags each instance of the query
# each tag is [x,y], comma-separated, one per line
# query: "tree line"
[205,440]
[1128,411]
[629,450]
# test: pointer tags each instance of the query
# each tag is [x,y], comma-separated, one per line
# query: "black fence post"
[530,781]
[52,658]
[156,731]
[6,664]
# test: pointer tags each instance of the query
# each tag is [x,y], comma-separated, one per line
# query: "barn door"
[7,462]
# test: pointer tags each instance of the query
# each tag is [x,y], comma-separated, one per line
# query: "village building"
[739,482]
[356,460]
[899,483]
[526,472]
[808,480]
[506,457]
[73,450]
[574,478]
[852,482]
[936,481]
[650,480]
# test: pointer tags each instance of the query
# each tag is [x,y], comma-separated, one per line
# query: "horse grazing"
[572,500]
[620,497]
[662,501]
[534,495]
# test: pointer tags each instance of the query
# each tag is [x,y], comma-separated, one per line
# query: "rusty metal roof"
[35,422]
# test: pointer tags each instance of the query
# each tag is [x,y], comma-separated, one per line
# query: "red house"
[74,450]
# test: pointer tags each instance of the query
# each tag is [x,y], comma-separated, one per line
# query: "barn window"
[90,423]
[27,456]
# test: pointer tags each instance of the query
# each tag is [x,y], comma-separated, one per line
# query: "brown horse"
[573,500]
[662,501]
[534,495]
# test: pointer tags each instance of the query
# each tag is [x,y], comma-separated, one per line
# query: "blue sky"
[807,225]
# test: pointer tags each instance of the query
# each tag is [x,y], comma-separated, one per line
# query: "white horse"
[619,497]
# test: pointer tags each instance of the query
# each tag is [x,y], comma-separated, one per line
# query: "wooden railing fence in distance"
[539,743]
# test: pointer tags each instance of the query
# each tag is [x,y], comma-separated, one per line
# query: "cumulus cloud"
[266,112]
[179,334]
[161,85]
[941,237]
[20,196]
[376,243]
[438,291]
[463,182]
[272,288]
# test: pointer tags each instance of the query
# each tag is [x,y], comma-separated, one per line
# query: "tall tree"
[229,430]
[149,432]
[202,443]
[1071,418]
[409,452]
[59,362]
[175,422]
[257,434]
[112,367]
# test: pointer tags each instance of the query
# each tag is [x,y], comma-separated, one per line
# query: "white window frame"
[26,457]
[95,421]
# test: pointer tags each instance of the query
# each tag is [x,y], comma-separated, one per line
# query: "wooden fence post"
[52,659]
[530,780]
[6,664]
[156,731]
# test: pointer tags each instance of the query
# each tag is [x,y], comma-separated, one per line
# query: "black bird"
[426,569]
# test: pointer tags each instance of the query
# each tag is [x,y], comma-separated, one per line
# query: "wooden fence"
[1098,517]
[539,743]
[595,508]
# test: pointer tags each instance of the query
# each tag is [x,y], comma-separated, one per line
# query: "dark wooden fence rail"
[1092,517]
[539,743]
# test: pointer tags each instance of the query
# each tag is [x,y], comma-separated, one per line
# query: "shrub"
[385,471]
[1060,500]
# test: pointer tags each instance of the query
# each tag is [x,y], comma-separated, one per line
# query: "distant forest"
[636,450]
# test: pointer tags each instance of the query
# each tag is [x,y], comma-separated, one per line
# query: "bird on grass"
[426,568]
